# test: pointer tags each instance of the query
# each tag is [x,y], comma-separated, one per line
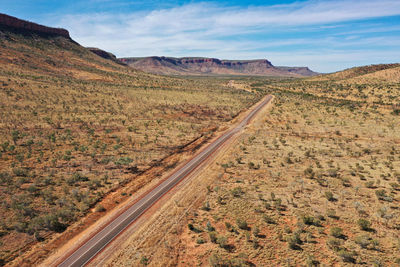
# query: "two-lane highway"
[94,245]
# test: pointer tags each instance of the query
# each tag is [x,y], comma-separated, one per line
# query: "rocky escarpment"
[13,22]
[213,66]
[104,54]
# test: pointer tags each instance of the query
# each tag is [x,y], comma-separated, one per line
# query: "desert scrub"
[79,117]
[328,149]
[366,242]
[336,232]
[364,224]
[329,196]
[294,241]
[237,192]
[242,224]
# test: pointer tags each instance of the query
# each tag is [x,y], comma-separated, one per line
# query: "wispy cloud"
[205,29]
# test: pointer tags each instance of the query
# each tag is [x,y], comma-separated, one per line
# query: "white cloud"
[206,29]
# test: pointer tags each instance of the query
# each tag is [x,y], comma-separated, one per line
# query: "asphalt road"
[89,249]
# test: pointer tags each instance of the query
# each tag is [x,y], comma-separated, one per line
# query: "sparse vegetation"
[69,117]
[318,175]
[323,187]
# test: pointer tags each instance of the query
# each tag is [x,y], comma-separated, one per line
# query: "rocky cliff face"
[9,21]
[102,53]
[213,66]
[105,54]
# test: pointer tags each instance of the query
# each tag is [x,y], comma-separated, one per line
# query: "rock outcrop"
[213,66]
[105,54]
[13,22]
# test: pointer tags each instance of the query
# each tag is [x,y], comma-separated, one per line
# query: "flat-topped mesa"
[213,66]
[202,60]
[16,23]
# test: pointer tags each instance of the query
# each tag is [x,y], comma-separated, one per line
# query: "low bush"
[336,232]
[294,241]
[242,224]
[364,224]
[329,196]
[347,256]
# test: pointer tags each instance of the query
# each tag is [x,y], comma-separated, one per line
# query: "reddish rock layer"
[30,26]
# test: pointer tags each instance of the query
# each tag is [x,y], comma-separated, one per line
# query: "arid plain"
[313,180]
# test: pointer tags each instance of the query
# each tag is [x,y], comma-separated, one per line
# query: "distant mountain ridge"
[10,21]
[213,66]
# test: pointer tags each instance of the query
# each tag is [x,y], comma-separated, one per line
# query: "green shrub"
[237,191]
[206,206]
[329,196]
[308,219]
[278,204]
[336,232]
[347,256]
[334,243]
[242,224]
[210,228]
[309,173]
[365,241]
[79,177]
[331,213]
[268,219]
[22,172]
[311,262]
[228,226]
[294,241]
[123,161]
[222,241]
[100,208]
[381,194]
[144,260]
[256,231]
[4,146]
[32,189]
[213,237]
[200,240]
[364,224]
[5,178]
[369,184]
[216,260]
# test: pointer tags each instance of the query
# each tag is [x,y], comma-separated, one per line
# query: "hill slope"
[213,66]
[372,84]
[357,72]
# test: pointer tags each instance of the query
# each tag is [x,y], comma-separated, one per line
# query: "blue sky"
[325,35]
